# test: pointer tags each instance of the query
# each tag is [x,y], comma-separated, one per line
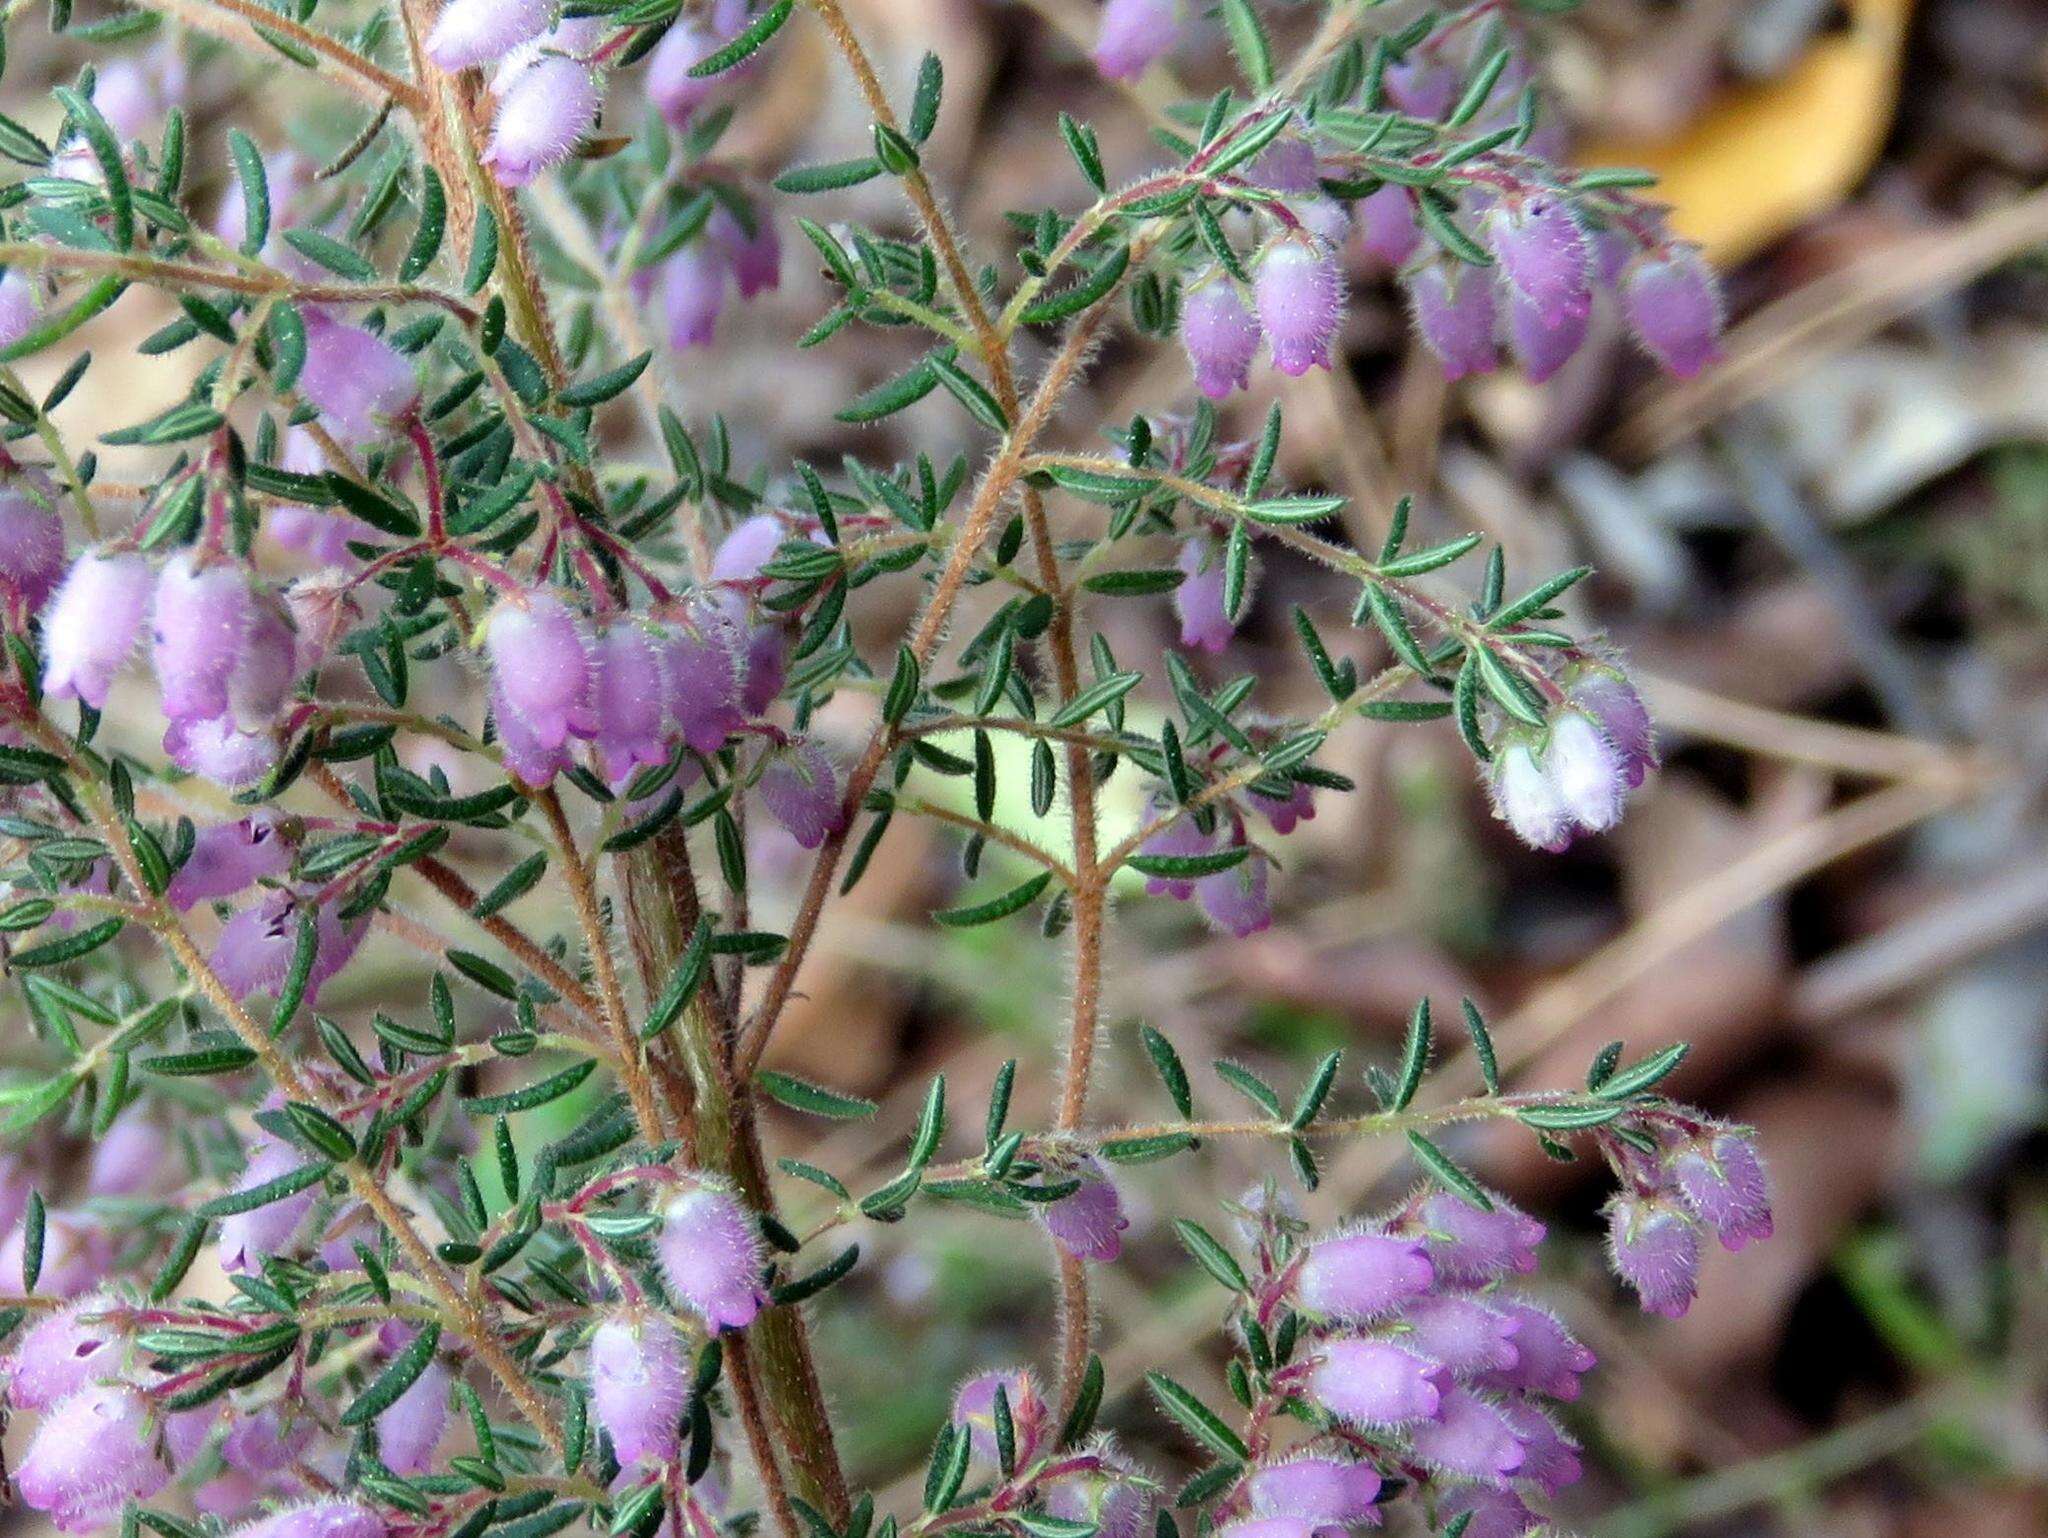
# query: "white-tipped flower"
[471,32]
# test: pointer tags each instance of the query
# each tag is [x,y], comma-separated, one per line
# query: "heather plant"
[410,371]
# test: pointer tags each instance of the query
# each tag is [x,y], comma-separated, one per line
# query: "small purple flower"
[1467,1336]
[674,91]
[260,1444]
[693,294]
[629,700]
[21,306]
[1117,1507]
[92,624]
[218,750]
[1455,316]
[540,664]
[1548,1359]
[1493,1512]
[1544,349]
[1421,85]
[1527,799]
[247,1239]
[700,654]
[1287,165]
[1543,255]
[333,1518]
[1134,33]
[1469,1436]
[1467,1245]
[543,112]
[711,1255]
[1373,1383]
[1204,622]
[267,669]
[1386,225]
[638,1384]
[92,1454]
[1089,1224]
[1674,308]
[1654,1246]
[410,1429]
[1357,1277]
[229,857]
[61,1353]
[1237,900]
[974,1407]
[1619,711]
[800,788]
[31,541]
[470,32]
[1285,815]
[534,761]
[134,1158]
[765,666]
[747,547]
[1723,1181]
[1180,839]
[201,623]
[253,952]
[1550,1459]
[362,385]
[1300,296]
[755,257]
[1589,776]
[1220,336]
[1317,1489]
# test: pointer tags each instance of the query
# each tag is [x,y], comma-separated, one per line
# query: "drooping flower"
[20,306]
[1550,1459]
[1090,1223]
[1468,1435]
[711,1255]
[133,1158]
[693,294]
[253,952]
[411,1427]
[1468,1245]
[1299,290]
[1237,899]
[91,626]
[1542,254]
[362,385]
[334,1518]
[675,92]
[265,1442]
[1179,839]
[216,749]
[61,1353]
[1373,1383]
[1205,623]
[247,1239]
[629,701]
[1618,709]
[471,32]
[31,541]
[1421,84]
[1455,316]
[1543,349]
[1299,806]
[1386,225]
[540,664]
[1527,799]
[754,255]
[638,1385]
[1723,1182]
[1318,1489]
[201,624]
[747,547]
[1588,773]
[1549,1360]
[228,857]
[1357,1277]
[1673,305]
[542,114]
[1220,336]
[800,788]
[1134,33]
[1654,1246]
[1466,1335]
[92,1453]
[1113,1501]
[974,1407]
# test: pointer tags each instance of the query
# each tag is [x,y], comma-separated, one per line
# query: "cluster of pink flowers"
[1702,1177]
[1575,774]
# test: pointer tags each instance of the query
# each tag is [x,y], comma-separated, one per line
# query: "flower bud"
[201,623]
[31,541]
[701,657]
[1236,900]
[1372,1383]
[974,1407]
[61,1353]
[216,749]
[711,1255]
[755,257]
[1115,1507]
[1586,770]
[544,111]
[91,626]
[1132,34]
[1548,1359]
[800,788]
[629,700]
[540,666]
[471,32]
[92,1454]
[1673,305]
[1357,1277]
[247,1239]
[693,294]
[1654,1246]
[334,1518]
[1723,1181]
[1220,336]
[1386,225]
[1544,349]
[229,857]
[747,547]
[1528,800]
[1619,712]
[1467,1336]
[410,1428]
[1455,316]
[1089,1224]
[1300,296]
[1318,1489]
[1467,1245]
[362,385]
[638,1385]
[1469,1436]
[1542,255]
[1550,1459]
[1204,622]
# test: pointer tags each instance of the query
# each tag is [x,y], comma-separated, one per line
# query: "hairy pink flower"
[92,1453]
[1236,900]
[711,1255]
[229,857]
[1723,1182]
[1455,316]
[639,1381]
[361,384]
[540,664]
[247,1239]
[61,1353]
[1373,1383]
[201,622]
[1468,1435]
[1134,33]
[31,541]
[1356,1277]
[1220,336]
[1318,1489]
[974,1407]
[629,701]
[1468,1245]
[1673,304]
[1089,1224]
[470,32]
[800,787]
[1654,1246]
[1204,622]
[693,294]
[1542,254]
[1300,295]
[333,1518]
[1548,1359]
[542,114]
[92,623]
